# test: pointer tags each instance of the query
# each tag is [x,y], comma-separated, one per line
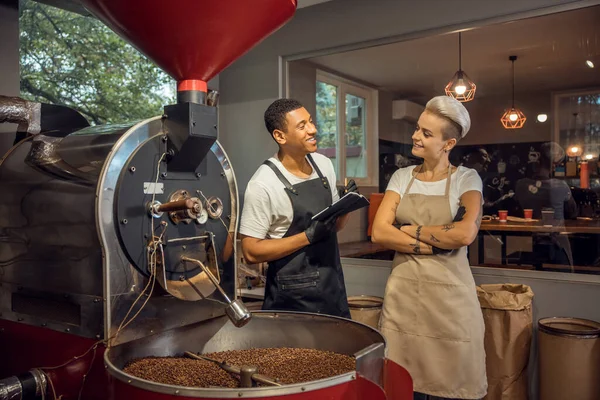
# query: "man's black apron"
[310,279]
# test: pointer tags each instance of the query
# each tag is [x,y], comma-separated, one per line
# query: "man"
[305,273]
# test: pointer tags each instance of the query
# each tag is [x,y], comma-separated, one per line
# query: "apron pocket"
[400,304]
[298,281]
[445,311]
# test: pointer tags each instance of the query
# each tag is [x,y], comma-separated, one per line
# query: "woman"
[431,317]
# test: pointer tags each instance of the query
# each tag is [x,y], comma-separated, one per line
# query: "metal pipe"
[210,276]
[29,386]
[178,205]
[235,310]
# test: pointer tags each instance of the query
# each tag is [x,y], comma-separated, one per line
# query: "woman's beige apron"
[431,317]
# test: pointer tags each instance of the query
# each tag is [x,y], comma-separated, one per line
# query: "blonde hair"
[452,111]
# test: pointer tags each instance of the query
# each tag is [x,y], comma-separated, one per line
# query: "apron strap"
[283,179]
[448,180]
[412,180]
[314,165]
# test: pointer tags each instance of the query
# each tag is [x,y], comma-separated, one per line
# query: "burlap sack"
[508,320]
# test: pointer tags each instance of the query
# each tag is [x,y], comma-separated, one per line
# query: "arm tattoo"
[417,245]
[448,227]
[434,239]
[395,208]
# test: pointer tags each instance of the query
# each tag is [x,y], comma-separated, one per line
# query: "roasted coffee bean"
[288,365]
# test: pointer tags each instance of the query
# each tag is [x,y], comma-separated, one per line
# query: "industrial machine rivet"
[68,330]
[98,336]
[184,247]
[164,138]
[165,116]
[181,278]
[177,392]
[164,175]
[303,389]
[132,169]
[223,174]
[96,300]
[240,394]
[19,319]
[129,381]
[44,324]
[124,221]
[198,175]
[193,123]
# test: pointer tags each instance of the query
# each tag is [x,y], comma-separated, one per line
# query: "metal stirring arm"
[235,310]
[246,373]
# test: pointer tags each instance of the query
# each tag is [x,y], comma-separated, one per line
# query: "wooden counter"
[569,226]
[358,249]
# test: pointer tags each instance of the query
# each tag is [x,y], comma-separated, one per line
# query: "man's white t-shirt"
[463,180]
[268,211]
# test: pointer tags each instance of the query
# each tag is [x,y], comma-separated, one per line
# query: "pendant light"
[513,118]
[460,86]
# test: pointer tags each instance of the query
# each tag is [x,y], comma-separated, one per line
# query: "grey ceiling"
[551,54]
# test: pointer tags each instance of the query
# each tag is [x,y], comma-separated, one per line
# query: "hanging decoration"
[513,118]
[460,86]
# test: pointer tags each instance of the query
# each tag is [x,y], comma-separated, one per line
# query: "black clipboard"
[351,201]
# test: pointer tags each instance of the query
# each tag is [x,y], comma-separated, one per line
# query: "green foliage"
[74,60]
[326,115]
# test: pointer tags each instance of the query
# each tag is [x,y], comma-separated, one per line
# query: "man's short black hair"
[275,114]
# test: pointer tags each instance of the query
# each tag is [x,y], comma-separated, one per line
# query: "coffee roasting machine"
[118,241]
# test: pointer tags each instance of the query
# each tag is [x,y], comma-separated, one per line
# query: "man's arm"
[385,233]
[264,250]
[454,235]
[341,222]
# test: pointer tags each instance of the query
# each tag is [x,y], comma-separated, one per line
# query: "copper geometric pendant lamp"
[460,86]
[513,118]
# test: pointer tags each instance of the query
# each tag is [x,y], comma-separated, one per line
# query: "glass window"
[356,134]
[344,122]
[327,121]
[534,139]
[74,60]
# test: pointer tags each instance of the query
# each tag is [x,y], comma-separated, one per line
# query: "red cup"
[528,213]
[502,215]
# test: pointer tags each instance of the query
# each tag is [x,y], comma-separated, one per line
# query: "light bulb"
[574,149]
[513,117]
[589,63]
[542,117]
[460,89]
[589,156]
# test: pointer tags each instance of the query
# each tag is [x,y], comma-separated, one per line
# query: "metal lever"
[243,372]
[235,310]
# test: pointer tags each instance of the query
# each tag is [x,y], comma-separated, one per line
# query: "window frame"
[346,86]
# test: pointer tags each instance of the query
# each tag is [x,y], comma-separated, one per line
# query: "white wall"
[9,64]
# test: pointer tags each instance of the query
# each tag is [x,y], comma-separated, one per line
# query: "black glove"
[437,250]
[350,187]
[460,213]
[319,230]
